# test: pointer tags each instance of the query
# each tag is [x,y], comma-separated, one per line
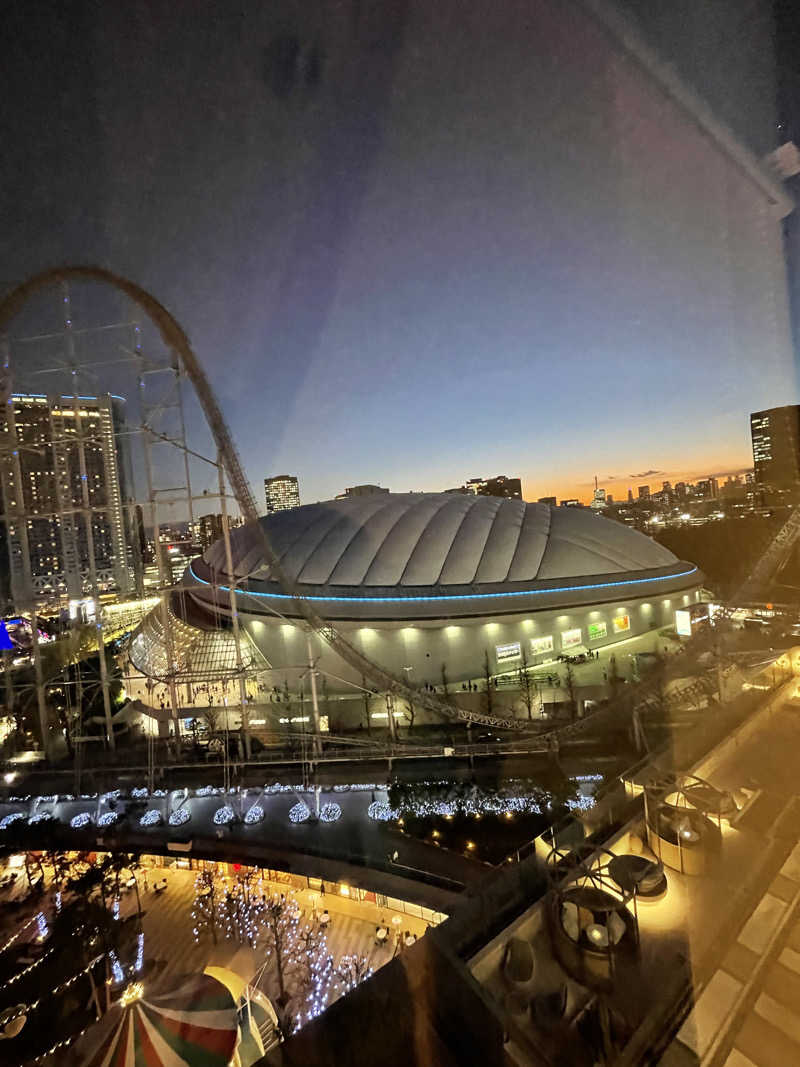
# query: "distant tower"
[282,492]
[599,499]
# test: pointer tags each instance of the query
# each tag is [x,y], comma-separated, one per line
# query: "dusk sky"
[369,250]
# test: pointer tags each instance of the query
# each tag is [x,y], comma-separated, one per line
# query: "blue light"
[456,596]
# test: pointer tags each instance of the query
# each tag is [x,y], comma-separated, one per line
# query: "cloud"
[644,474]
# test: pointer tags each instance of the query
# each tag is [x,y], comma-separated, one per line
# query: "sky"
[405,249]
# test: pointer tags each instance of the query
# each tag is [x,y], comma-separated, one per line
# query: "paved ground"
[169,939]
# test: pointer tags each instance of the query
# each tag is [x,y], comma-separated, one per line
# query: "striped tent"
[194,1025]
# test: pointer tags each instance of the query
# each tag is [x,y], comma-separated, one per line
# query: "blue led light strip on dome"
[455,596]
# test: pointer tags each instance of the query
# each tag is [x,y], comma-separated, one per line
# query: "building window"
[503,653]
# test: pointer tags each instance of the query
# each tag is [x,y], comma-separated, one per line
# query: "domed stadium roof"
[402,546]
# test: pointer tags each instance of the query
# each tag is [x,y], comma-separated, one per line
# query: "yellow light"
[344,890]
[133,992]
[470,845]
[436,833]
[509,815]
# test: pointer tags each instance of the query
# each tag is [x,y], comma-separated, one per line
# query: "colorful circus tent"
[196,1024]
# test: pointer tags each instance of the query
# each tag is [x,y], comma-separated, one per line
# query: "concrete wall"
[461,647]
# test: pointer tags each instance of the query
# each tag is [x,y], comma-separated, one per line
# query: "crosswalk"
[748,1015]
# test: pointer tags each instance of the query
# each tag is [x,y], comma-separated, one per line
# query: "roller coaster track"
[177,342]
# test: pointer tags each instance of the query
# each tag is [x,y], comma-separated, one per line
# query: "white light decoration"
[41,926]
[117,973]
[115,908]
[179,817]
[9,820]
[159,792]
[381,812]
[78,822]
[139,952]
[151,818]
[41,816]
[140,793]
[224,816]
[254,814]
[108,818]
[300,812]
[114,794]
[208,791]
[330,813]
[341,788]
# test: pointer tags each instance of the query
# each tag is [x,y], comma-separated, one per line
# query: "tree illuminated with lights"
[299,967]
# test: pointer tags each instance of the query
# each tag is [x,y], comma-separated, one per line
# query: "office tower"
[65,481]
[282,492]
[361,490]
[775,434]
[510,488]
[644,492]
[208,529]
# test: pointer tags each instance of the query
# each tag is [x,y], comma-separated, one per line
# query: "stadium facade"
[421,581]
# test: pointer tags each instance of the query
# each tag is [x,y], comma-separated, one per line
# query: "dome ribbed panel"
[532,543]
[427,559]
[465,556]
[325,557]
[307,537]
[392,559]
[581,543]
[502,542]
[361,552]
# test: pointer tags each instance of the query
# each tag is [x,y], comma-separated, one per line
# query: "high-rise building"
[775,434]
[644,492]
[361,490]
[66,479]
[208,529]
[282,492]
[510,488]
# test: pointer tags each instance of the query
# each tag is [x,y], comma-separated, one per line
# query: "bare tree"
[445,688]
[488,695]
[572,701]
[365,694]
[410,712]
[211,718]
[527,686]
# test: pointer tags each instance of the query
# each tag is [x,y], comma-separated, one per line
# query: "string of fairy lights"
[240,908]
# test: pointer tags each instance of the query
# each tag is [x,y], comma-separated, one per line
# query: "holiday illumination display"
[254,814]
[140,793]
[330,813]
[300,812]
[40,816]
[224,816]
[9,820]
[299,966]
[208,791]
[179,817]
[108,818]
[139,952]
[78,822]
[117,974]
[382,812]
[352,970]
[41,926]
[151,818]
